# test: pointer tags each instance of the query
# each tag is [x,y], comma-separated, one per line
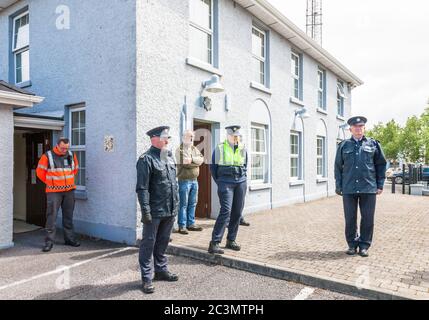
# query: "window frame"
[210,32]
[259,58]
[296,156]
[263,153]
[296,77]
[77,148]
[18,51]
[321,91]
[321,157]
[341,96]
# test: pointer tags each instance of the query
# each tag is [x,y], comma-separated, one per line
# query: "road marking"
[61,270]
[304,294]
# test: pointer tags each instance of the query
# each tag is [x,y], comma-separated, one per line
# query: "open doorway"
[29,206]
[203,139]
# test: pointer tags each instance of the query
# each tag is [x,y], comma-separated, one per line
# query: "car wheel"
[398,180]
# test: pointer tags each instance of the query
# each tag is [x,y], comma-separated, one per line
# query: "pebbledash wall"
[129,63]
[6,158]
[165,81]
[93,62]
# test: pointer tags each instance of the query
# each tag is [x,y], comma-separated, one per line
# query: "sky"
[385,43]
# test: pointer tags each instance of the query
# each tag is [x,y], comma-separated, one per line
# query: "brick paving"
[309,238]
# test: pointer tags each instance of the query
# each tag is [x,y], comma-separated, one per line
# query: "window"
[259,52]
[21,47]
[259,154]
[341,96]
[295,156]
[321,74]
[78,143]
[321,154]
[296,75]
[201,30]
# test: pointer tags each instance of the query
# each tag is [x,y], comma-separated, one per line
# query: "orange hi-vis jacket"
[58,171]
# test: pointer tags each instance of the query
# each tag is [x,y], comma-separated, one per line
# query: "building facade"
[110,73]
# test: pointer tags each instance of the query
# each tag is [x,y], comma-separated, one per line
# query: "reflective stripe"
[42,167]
[59,177]
[51,159]
[66,170]
[60,187]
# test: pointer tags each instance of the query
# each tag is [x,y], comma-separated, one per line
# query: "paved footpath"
[305,243]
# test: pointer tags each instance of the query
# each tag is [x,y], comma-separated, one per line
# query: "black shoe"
[165,276]
[214,248]
[364,253]
[352,251]
[244,223]
[48,247]
[233,245]
[148,288]
[182,230]
[195,228]
[74,244]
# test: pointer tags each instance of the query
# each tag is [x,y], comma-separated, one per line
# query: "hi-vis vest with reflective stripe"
[60,178]
[227,156]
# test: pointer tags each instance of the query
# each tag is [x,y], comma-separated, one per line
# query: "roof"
[6,3]
[274,19]
[4,86]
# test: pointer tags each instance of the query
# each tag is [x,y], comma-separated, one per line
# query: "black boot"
[72,243]
[364,253]
[165,276]
[232,245]
[48,246]
[214,248]
[352,251]
[244,223]
[148,288]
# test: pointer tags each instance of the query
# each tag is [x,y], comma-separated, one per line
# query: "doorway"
[29,191]
[203,140]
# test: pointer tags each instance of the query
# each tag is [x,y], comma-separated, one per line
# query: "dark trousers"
[232,197]
[55,201]
[366,203]
[156,237]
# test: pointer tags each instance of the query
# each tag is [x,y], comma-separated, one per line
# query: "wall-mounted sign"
[109,143]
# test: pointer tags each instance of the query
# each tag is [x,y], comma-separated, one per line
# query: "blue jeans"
[188,192]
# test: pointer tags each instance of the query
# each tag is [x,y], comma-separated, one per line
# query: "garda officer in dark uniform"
[229,170]
[360,173]
[157,192]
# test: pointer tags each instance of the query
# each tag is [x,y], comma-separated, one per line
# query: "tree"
[412,140]
[389,136]
[425,134]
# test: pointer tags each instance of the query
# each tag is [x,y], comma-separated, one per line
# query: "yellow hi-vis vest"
[230,158]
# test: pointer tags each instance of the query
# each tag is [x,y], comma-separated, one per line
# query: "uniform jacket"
[58,172]
[360,167]
[228,174]
[157,187]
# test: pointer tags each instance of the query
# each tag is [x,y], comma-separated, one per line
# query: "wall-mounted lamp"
[211,86]
[302,113]
[345,126]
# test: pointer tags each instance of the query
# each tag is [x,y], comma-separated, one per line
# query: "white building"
[111,73]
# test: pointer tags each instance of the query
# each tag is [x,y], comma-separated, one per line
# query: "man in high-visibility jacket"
[229,170]
[57,169]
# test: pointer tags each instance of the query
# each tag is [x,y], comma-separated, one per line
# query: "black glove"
[339,192]
[147,218]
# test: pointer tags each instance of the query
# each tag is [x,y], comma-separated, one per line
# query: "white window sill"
[322,180]
[322,111]
[297,183]
[23,85]
[203,66]
[341,118]
[297,101]
[257,187]
[260,87]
